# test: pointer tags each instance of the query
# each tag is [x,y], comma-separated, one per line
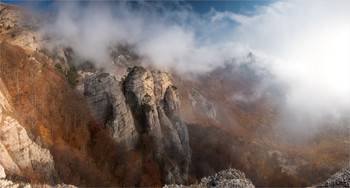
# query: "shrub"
[72,75]
[146,107]
[59,68]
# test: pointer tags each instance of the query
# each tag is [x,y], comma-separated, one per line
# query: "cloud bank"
[304,44]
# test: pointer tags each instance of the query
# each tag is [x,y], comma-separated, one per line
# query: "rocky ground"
[340,179]
[223,179]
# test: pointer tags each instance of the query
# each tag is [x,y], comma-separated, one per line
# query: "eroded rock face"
[108,105]
[10,16]
[153,96]
[19,155]
[340,179]
[146,103]
[18,27]
[25,153]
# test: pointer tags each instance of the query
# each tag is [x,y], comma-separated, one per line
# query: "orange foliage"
[50,109]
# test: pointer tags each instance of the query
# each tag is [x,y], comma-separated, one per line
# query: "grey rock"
[108,105]
[139,92]
[223,179]
[18,153]
[145,103]
[227,178]
[9,184]
[340,179]
[25,153]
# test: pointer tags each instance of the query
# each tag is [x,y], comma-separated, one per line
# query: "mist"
[304,45]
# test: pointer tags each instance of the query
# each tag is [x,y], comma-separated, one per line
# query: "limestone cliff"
[108,105]
[145,103]
[19,155]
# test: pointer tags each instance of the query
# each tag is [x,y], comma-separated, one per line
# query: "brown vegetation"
[57,118]
[243,133]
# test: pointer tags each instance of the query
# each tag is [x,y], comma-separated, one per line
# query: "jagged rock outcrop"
[223,179]
[155,103]
[18,27]
[227,178]
[10,16]
[19,155]
[340,179]
[146,103]
[109,107]
[24,152]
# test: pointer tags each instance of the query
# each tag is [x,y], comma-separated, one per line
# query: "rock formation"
[9,184]
[340,179]
[147,104]
[223,179]
[227,178]
[108,105]
[19,155]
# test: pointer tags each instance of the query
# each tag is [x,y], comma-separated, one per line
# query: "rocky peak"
[146,103]
[108,105]
[10,16]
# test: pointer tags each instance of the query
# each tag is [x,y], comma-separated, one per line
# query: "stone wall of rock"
[19,155]
[146,102]
[108,105]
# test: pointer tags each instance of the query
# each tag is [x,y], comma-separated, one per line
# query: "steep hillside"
[235,121]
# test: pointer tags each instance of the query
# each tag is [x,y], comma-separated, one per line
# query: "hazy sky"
[304,44]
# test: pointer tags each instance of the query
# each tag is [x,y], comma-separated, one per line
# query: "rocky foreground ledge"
[225,178]
[235,178]
[4,183]
[340,179]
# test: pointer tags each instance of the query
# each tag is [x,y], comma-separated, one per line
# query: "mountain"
[65,119]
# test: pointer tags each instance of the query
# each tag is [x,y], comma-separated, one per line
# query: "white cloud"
[306,42]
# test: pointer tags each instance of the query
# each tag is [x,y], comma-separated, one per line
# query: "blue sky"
[304,44]
[200,7]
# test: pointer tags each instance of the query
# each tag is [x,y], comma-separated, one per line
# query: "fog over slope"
[304,45]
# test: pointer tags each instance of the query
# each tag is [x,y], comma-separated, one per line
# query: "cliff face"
[145,104]
[108,105]
[18,153]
